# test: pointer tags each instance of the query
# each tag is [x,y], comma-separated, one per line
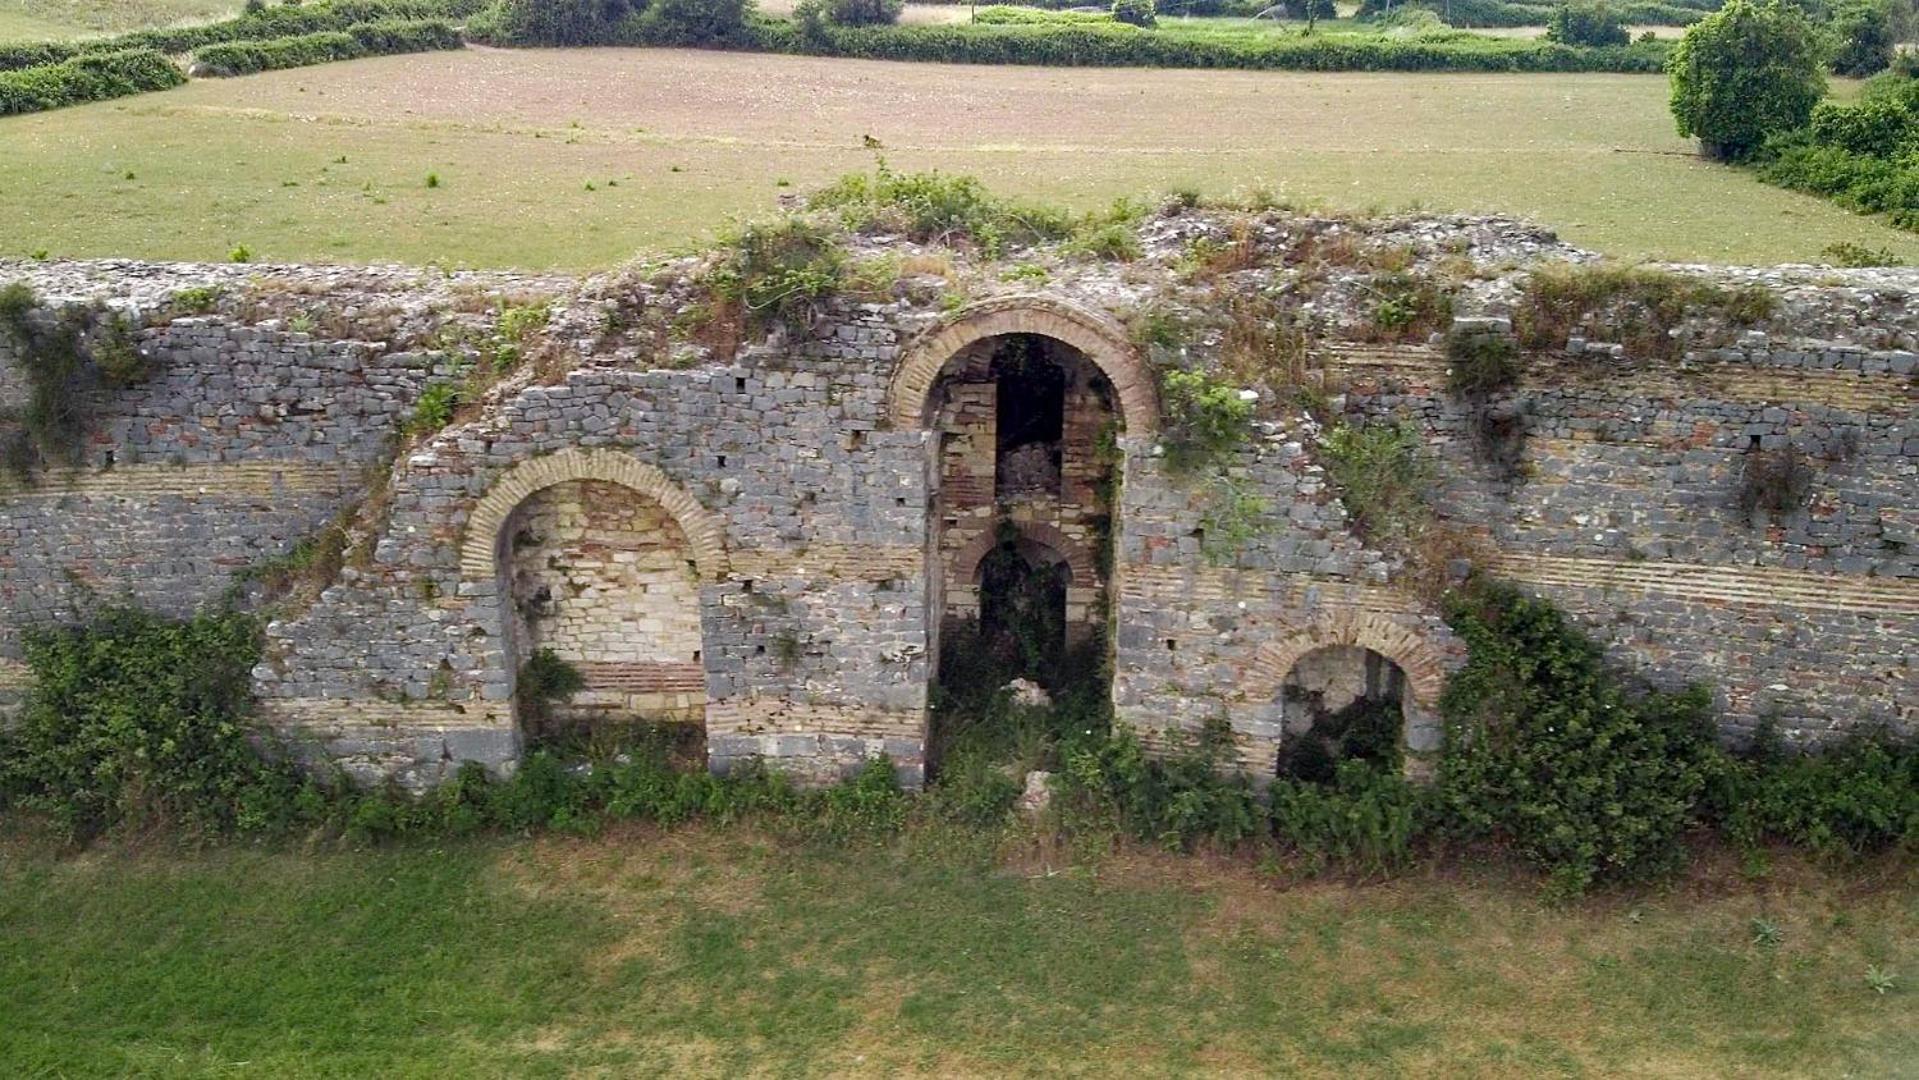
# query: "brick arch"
[1273,661]
[966,561]
[705,535]
[1101,340]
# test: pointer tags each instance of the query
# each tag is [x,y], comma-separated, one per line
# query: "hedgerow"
[278,21]
[93,77]
[139,722]
[1117,45]
[358,40]
[1864,156]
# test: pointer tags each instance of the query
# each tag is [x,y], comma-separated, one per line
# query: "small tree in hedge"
[560,22]
[1862,39]
[696,22]
[1134,12]
[1745,73]
[1586,24]
[863,12]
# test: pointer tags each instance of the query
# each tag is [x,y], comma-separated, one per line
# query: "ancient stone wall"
[763,541]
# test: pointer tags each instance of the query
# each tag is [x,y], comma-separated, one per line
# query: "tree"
[1586,24]
[1862,38]
[1744,73]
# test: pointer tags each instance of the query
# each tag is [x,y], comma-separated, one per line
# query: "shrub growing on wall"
[138,719]
[1545,750]
[1745,73]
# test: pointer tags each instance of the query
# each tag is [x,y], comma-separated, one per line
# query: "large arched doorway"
[1026,402]
[599,564]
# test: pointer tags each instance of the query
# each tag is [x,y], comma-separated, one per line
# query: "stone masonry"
[767,541]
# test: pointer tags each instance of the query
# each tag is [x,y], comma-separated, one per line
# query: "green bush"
[138,720]
[1368,818]
[279,21]
[1545,750]
[556,22]
[696,22]
[1134,12]
[1382,477]
[92,77]
[1859,797]
[1862,39]
[1175,800]
[361,39]
[1586,24]
[937,208]
[1744,74]
[864,12]
[1203,419]
[781,271]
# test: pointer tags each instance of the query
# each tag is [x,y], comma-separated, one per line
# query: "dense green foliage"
[1546,751]
[1584,23]
[92,77]
[1111,44]
[1514,13]
[1864,156]
[1134,12]
[1862,38]
[277,21]
[937,208]
[136,721]
[780,271]
[1203,419]
[1859,797]
[140,721]
[1749,72]
[1074,43]
[358,40]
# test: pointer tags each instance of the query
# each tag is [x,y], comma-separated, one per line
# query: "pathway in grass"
[580,158]
[718,952]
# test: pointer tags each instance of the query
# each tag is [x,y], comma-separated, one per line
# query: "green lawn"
[330,163]
[720,952]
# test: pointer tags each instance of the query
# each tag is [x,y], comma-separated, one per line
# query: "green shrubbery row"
[94,77]
[1098,43]
[1864,156]
[358,40]
[1489,14]
[1118,45]
[278,21]
[135,721]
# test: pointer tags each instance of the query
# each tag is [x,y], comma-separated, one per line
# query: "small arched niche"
[1341,703]
[603,578]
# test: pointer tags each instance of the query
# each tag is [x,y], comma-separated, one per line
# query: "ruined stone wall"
[244,442]
[757,540]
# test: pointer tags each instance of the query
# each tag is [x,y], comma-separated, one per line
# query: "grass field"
[23,20]
[723,953]
[331,163]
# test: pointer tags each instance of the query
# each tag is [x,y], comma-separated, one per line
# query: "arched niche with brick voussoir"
[600,560]
[1029,404]
[1339,668]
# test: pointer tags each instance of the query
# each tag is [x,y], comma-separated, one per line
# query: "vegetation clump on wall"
[68,362]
